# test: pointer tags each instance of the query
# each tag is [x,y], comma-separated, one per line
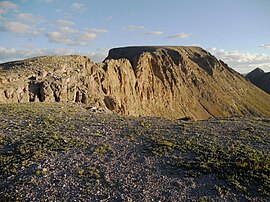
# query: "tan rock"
[173,82]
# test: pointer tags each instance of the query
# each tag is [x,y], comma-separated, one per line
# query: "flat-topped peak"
[130,52]
[154,48]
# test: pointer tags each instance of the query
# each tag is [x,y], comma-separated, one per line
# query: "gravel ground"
[91,155]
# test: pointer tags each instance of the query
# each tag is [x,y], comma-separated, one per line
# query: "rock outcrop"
[260,78]
[173,82]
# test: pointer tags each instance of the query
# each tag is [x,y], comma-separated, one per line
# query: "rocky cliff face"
[260,78]
[172,82]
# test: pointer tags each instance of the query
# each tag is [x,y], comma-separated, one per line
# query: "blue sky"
[235,31]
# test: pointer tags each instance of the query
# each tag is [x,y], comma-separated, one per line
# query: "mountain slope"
[172,82]
[259,78]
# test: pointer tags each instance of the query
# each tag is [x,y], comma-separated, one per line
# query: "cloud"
[62,38]
[243,62]
[182,35]
[154,33]
[78,6]
[5,6]
[28,17]
[8,51]
[67,30]
[34,33]
[57,37]
[97,30]
[16,27]
[265,46]
[11,54]
[212,49]
[71,37]
[20,29]
[133,27]
[62,22]
[86,36]
[25,16]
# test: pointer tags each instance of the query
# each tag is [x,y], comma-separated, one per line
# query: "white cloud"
[212,49]
[97,30]
[5,50]
[265,46]
[134,27]
[57,37]
[154,33]
[5,6]
[243,62]
[182,35]
[72,37]
[78,6]
[33,33]
[68,30]
[86,36]
[25,16]
[62,22]
[11,54]
[16,27]
[21,29]
[28,17]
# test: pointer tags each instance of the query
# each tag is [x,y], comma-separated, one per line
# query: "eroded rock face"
[172,82]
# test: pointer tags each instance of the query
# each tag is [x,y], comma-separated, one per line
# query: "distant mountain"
[260,78]
[165,81]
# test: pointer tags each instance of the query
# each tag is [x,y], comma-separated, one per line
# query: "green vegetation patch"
[89,173]
[103,150]
[17,153]
[233,158]
[162,146]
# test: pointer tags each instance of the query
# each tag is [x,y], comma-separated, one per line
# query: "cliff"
[172,82]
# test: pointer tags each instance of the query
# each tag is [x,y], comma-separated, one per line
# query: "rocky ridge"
[172,82]
[260,78]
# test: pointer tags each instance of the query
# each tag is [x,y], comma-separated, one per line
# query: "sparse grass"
[234,149]
[162,146]
[89,173]
[202,199]
[103,150]
[221,190]
[17,153]
[244,167]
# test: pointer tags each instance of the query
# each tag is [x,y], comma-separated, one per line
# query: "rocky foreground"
[71,152]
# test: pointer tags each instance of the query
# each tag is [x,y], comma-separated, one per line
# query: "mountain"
[259,78]
[166,81]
